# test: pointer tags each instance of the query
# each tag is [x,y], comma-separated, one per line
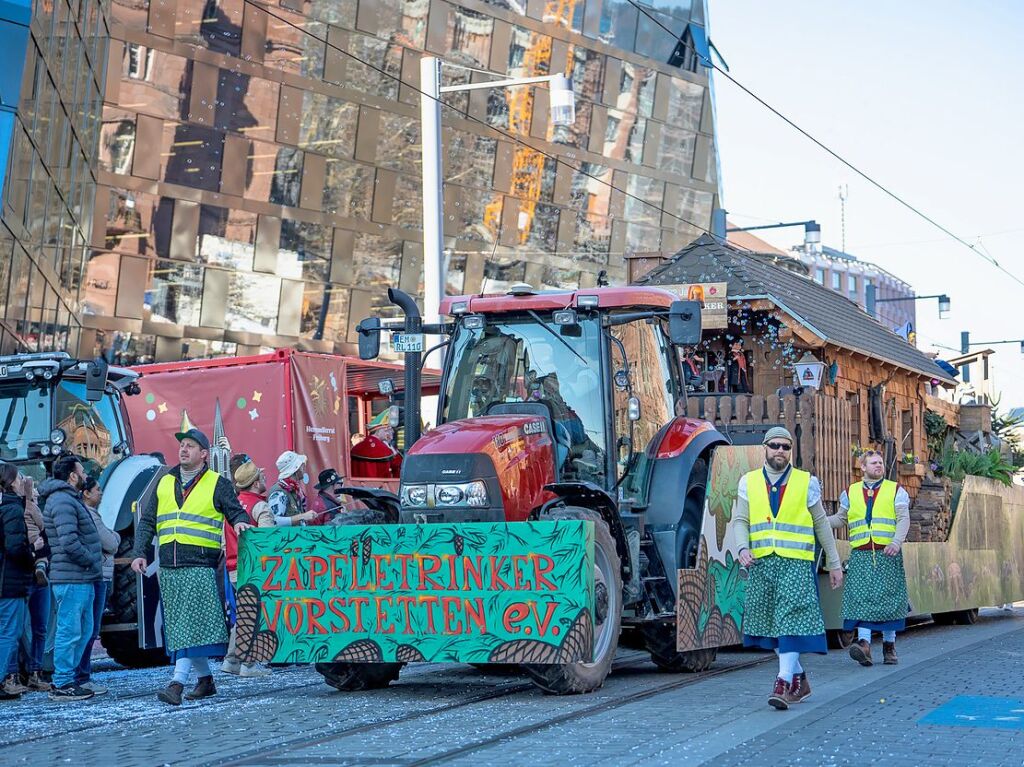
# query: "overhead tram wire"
[512,137]
[885,190]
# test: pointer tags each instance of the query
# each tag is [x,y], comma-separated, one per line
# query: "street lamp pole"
[563,112]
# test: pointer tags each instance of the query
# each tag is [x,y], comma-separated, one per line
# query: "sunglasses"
[778,446]
[869,454]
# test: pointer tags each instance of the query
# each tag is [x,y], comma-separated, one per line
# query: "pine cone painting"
[263,647]
[360,651]
[524,651]
[578,644]
[406,653]
[247,617]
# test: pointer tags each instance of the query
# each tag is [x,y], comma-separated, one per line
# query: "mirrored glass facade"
[259,164]
[53,64]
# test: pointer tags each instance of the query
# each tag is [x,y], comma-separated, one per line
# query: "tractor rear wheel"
[580,677]
[661,644]
[123,646]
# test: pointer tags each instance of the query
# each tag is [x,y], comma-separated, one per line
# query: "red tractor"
[564,405]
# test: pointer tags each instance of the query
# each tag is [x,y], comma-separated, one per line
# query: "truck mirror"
[95,379]
[369,338]
[684,322]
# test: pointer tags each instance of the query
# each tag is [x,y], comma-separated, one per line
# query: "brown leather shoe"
[172,695]
[860,651]
[12,685]
[205,688]
[780,695]
[889,654]
[800,689]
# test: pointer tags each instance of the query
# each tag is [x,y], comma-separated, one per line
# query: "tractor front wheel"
[580,677]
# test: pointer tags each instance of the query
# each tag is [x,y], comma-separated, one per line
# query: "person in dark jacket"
[187,515]
[76,563]
[17,567]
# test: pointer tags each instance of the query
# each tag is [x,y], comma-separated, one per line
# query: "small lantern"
[944,305]
[808,370]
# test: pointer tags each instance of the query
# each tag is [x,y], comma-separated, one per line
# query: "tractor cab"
[571,359]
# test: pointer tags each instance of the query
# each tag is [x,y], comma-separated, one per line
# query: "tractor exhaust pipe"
[414,325]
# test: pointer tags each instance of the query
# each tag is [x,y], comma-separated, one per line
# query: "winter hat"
[777,432]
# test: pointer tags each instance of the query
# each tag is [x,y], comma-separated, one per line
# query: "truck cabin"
[51,403]
[600,365]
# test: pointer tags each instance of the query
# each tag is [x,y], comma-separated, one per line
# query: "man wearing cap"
[877,513]
[252,494]
[778,514]
[287,498]
[327,503]
[187,515]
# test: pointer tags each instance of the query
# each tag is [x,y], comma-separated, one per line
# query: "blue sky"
[926,97]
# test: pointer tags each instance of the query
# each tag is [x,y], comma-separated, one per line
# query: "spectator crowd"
[57,559]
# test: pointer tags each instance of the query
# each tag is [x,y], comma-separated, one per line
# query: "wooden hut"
[873,390]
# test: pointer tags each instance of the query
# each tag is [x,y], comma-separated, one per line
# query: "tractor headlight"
[476,494]
[57,436]
[449,495]
[414,495]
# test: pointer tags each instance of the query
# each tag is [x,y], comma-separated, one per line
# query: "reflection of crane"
[528,164]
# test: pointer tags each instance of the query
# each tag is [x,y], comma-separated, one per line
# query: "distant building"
[849,276]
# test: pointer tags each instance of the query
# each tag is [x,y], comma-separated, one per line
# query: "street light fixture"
[563,112]
[871,301]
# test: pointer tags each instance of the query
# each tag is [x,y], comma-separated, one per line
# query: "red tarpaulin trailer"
[268,403]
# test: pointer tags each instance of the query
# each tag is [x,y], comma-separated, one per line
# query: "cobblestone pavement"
[454,714]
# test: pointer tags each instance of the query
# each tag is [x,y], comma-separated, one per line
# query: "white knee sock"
[863,633]
[888,636]
[797,668]
[788,662]
[182,667]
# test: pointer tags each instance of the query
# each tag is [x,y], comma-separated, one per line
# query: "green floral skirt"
[875,594]
[781,611]
[194,623]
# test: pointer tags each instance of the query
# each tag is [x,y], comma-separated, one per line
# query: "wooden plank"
[772,407]
[725,410]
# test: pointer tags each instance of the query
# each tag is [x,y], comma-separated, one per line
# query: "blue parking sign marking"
[978,711]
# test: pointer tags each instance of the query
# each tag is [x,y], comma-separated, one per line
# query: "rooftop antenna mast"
[844,192]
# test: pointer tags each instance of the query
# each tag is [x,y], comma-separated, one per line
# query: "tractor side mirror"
[369,338]
[96,379]
[684,322]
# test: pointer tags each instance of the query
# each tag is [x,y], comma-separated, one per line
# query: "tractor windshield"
[24,419]
[526,359]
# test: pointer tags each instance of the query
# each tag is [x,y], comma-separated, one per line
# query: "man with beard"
[778,514]
[187,515]
[877,513]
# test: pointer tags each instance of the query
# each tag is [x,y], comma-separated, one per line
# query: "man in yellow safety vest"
[777,515]
[187,515]
[877,513]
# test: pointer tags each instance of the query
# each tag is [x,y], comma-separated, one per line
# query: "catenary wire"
[512,137]
[881,187]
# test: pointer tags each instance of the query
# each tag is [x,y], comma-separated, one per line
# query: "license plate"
[404,343]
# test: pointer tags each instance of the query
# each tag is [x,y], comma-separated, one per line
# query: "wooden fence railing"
[821,426]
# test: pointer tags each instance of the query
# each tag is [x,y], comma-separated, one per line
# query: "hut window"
[907,431]
[837,281]
[853,398]
[819,276]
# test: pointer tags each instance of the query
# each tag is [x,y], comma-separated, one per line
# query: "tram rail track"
[255,756]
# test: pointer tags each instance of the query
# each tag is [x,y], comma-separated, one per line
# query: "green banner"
[473,593]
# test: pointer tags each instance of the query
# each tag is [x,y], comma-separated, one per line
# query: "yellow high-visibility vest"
[883,515]
[791,533]
[196,522]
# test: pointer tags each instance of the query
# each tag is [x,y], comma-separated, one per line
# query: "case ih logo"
[534,427]
[451,471]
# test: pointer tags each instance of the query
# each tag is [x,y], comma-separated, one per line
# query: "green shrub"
[956,464]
